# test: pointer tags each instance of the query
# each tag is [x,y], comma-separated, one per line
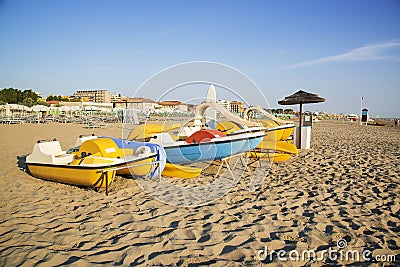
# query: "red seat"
[204,136]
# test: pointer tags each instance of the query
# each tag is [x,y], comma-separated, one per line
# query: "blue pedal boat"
[207,145]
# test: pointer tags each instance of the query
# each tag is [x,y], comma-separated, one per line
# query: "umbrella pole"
[300,123]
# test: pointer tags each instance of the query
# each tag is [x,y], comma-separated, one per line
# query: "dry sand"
[347,187]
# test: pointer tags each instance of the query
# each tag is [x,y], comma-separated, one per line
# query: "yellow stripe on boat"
[174,170]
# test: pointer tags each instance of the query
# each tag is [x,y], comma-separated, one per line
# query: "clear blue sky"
[337,49]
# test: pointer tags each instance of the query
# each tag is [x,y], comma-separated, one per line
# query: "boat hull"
[209,151]
[89,171]
[74,175]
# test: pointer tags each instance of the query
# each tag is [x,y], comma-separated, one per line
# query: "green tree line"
[27,97]
[56,98]
[16,96]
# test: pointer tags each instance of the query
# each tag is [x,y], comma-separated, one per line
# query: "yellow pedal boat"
[49,162]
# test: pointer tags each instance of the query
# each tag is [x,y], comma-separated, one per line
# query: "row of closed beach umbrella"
[17,114]
[8,109]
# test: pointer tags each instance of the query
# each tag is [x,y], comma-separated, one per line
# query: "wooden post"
[300,122]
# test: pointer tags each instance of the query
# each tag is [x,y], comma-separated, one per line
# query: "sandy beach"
[345,188]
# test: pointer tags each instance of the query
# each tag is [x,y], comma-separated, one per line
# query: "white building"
[98,96]
[116,98]
[170,106]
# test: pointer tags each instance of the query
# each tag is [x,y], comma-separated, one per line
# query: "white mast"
[211,114]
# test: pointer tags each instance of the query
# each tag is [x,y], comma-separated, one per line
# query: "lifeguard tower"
[364,117]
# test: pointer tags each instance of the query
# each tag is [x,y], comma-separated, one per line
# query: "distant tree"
[57,98]
[16,96]
[31,95]
[29,102]
[43,103]
[9,95]
[29,98]
[50,98]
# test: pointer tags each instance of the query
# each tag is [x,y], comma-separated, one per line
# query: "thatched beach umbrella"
[301,98]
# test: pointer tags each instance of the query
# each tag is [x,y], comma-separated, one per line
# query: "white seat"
[82,139]
[49,152]
[162,139]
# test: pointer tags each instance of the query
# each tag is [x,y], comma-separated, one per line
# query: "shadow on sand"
[21,163]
